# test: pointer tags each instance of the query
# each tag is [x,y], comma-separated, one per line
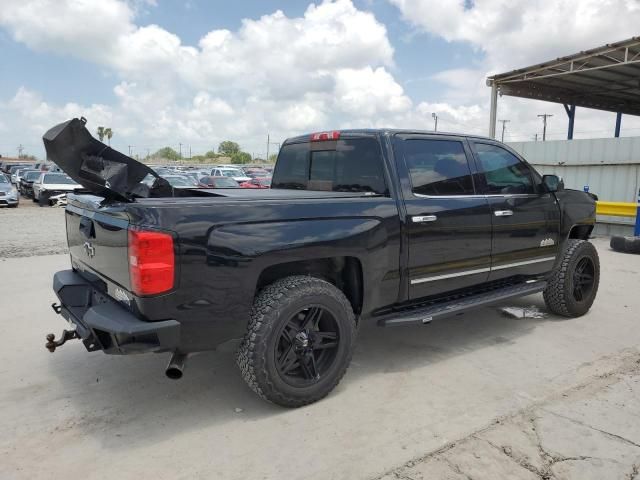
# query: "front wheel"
[299,341]
[573,286]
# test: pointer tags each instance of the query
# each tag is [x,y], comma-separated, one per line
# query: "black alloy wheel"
[583,279]
[299,342]
[307,346]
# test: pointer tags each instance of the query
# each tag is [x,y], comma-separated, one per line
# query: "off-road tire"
[625,244]
[558,295]
[272,308]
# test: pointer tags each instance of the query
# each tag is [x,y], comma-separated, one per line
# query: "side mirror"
[552,183]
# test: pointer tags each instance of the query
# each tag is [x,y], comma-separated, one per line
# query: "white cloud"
[510,34]
[274,74]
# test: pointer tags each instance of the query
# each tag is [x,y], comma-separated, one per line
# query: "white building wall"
[609,166]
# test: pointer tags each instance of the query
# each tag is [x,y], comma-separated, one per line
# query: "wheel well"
[343,272]
[580,232]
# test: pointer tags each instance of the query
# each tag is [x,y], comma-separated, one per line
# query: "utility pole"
[504,123]
[435,118]
[535,137]
[268,142]
[20,149]
[131,149]
[180,147]
[189,152]
[148,152]
[544,117]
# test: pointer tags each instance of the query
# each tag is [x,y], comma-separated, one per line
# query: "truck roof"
[367,132]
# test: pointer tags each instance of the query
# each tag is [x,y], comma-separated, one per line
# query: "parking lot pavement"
[417,402]
[31,230]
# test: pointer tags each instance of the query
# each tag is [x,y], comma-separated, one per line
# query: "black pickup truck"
[398,227]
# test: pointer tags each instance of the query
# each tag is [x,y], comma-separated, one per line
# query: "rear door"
[448,221]
[526,219]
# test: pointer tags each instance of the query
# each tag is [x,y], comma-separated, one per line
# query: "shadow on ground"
[112,397]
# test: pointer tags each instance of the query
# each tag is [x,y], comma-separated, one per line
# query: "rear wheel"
[299,341]
[573,286]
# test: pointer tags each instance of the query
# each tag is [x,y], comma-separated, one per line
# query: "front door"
[448,226]
[526,218]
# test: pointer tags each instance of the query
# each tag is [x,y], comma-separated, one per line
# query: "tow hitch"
[52,343]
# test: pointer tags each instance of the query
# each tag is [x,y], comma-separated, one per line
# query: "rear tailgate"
[98,242]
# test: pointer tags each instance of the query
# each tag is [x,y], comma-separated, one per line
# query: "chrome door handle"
[503,213]
[424,218]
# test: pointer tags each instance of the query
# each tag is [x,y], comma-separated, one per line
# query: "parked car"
[14,170]
[256,172]
[8,193]
[257,182]
[182,181]
[219,182]
[25,186]
[235,173]
[50,184]
[428,227]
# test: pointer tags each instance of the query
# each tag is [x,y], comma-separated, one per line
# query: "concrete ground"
[483,395]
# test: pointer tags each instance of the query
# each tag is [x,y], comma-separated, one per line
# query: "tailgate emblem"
[89,249]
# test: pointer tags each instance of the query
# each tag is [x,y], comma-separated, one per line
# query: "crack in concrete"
[506,450]
[548,459]
[456,468]
[604,432]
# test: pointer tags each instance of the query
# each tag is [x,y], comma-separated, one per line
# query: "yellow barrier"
[616,209]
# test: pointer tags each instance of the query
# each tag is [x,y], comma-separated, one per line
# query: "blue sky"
[198,72]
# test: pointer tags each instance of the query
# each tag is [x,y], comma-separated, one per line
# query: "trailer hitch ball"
[52,343]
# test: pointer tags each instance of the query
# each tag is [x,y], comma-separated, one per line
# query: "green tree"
[100,132]
[108,133]
[211,154]
[240,157]
[228,148]
[167,152]
[273,157]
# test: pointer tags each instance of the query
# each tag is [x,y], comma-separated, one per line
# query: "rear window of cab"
[345,165]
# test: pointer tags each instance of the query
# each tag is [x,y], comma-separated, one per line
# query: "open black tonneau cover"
[96,166]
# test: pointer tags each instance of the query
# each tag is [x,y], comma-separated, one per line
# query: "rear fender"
[257,246]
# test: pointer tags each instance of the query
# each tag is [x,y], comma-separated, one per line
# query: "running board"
[450,308]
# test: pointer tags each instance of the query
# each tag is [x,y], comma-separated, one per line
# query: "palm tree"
[108,133]
[101,133]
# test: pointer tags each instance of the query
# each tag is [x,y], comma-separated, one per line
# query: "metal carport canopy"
[604,78]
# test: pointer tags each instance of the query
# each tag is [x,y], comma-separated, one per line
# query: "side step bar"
[450,308]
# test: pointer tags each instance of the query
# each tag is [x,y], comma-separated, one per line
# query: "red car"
[258,182]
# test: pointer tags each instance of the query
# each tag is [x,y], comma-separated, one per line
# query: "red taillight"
[151,262]
[325,136]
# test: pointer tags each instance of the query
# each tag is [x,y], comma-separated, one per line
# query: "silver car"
[8,193]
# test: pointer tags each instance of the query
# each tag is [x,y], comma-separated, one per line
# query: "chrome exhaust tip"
[175,368]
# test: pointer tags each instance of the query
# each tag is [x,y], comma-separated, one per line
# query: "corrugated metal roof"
[604,78]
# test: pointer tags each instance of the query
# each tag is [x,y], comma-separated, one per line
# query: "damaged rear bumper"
[103,324]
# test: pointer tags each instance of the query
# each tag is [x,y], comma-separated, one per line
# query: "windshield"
[232,172]
[225,183]
[31,176]
[3,179]
[176,181]
[58,178]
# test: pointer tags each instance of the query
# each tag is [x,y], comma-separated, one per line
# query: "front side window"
[438,167]
[347,165]
[504,172]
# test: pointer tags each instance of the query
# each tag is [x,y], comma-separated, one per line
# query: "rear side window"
[438,167]
[348,165]
[503,171]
